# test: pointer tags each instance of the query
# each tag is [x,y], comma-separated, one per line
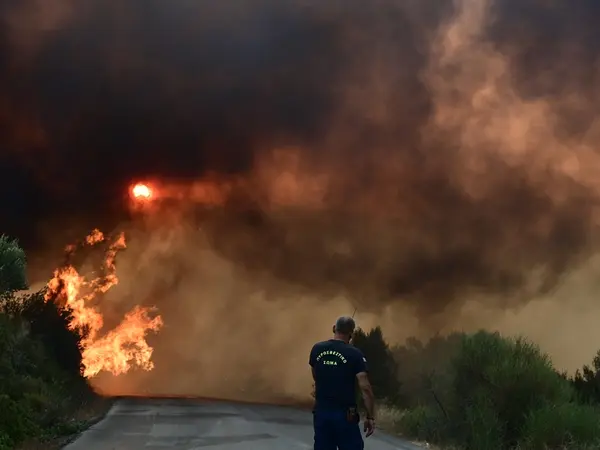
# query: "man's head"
[343,328]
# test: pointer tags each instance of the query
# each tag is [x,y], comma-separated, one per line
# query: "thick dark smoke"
[410,154]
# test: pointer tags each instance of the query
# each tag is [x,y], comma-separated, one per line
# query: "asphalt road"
[193,425]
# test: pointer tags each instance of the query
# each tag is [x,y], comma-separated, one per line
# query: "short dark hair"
[345,325]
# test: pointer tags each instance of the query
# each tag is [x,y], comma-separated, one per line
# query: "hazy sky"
[433,163]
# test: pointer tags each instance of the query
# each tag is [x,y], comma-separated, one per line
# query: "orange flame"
[119,349]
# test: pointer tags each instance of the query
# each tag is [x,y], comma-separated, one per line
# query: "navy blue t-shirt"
[336,364]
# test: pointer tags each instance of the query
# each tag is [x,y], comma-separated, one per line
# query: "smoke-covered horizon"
[433,165]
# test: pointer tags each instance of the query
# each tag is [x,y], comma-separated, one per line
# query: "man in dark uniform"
[336,368]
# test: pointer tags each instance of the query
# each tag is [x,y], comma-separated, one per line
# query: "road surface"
[185,424]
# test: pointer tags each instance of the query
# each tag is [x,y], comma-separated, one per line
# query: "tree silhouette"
[587,381]
[380,362]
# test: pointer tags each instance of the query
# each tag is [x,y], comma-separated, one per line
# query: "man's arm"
[367,393]
[312,360]
[364,384]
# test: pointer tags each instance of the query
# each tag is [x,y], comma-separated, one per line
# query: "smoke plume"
[431,164]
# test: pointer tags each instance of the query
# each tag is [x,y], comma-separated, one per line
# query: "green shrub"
[50,325]
[569,425]
[16,420]
[484,430]
[40,359]
[33,387]
[6,442]
[502,380]
[12,266]
[424,369]
[586,382]
[494,393]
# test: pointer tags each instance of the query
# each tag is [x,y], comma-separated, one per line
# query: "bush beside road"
[484,391]
[43,396]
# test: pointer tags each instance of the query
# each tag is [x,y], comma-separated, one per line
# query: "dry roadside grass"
[79,420]
[388,420]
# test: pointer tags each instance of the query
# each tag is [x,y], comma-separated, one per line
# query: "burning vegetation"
[117,350]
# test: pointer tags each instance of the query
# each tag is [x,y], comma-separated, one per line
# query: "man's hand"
[369,427]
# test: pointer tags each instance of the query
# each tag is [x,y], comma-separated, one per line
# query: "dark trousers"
[333,431]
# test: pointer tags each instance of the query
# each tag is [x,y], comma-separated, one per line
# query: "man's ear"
[334,329]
